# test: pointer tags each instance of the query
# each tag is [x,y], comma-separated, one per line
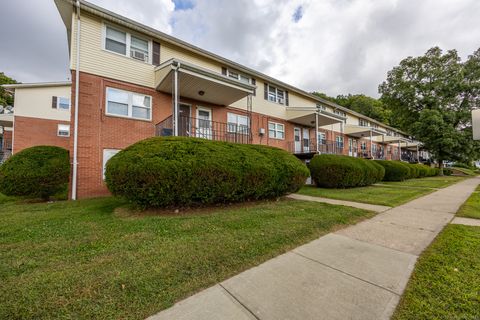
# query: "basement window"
[63,130]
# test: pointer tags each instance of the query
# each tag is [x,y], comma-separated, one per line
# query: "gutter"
[75,122]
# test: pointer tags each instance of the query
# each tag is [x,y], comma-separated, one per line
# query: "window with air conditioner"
[126,44]
[275,94]
[139,49]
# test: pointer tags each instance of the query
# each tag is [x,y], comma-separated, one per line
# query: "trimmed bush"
[395,170]
[334,171]
[178,171]
[39,172]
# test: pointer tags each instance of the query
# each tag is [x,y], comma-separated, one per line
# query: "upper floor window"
[275,94]
[374,125]
[276,130]
[339,113]
[237,123]
[362,122]
[321,107]
[60,103]
[126,44]
[128,104]
[239,76]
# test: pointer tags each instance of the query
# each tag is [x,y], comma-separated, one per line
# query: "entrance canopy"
[199,83]
[391,139]
[6,120]
[362,132]
[306,116]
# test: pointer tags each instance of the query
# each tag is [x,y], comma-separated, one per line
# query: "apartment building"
[131,82]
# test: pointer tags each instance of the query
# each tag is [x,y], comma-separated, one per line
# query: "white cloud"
[338,46]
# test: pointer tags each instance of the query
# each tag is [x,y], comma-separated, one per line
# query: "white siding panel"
[37,103]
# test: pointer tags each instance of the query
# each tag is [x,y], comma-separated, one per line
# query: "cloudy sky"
[333,46]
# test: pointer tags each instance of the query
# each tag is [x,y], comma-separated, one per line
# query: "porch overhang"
[197,83]
[6,120]
[411,145]
[306,116]
[390,140]
[362,132]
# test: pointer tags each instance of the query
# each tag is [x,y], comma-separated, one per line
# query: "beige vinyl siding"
[95,60]
[37,103]
[169,51]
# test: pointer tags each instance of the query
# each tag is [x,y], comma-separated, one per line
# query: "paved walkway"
[466,221]
[365,206]
[355,273]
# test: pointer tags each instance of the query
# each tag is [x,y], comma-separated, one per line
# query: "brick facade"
[30,132]
[7,141]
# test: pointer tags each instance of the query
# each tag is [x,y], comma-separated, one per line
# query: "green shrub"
[41,171]
[447,171]
[333,171]
[462,165]
[177,171]
[395,170]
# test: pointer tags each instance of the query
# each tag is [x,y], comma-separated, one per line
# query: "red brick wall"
[7,140]
[29,132]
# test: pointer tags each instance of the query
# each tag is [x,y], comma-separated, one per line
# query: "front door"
[204,123]
[306,140]
[184,125]
[355,147]
[297,138]
[350,147]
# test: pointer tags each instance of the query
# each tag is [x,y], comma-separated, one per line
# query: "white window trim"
[58,130]
[104,163]
[128,42]
[58,104]
[276,94]
[130,105]
[239,75]
[277,125]
[236,123]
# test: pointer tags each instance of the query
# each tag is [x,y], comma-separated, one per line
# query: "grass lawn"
[429,182]
[90,260]
[386,195]
[446,281]
[471,208]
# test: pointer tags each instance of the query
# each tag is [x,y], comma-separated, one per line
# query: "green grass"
[471,207]
[466,171]
[387,194]
[430,182]
[89,260]
[446,281]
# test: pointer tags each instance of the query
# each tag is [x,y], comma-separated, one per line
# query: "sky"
[331,46]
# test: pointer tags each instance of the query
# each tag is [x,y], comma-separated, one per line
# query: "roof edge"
[37,85]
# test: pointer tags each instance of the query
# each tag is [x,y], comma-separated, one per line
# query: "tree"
[361,103]
[431,97]
[5,97]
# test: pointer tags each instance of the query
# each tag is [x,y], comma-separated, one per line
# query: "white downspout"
[175,101]
[316,132]
[77,94]
[371,144]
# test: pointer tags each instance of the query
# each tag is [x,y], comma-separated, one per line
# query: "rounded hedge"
[41,171]
[334,171]
[178,171]
[395,170]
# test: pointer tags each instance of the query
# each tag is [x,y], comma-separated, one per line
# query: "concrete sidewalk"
[356,273]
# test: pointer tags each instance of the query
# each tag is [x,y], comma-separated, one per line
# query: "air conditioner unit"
[280,100]
[139,55]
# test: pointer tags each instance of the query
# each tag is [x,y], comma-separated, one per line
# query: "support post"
[175,103]
[383,148]
[418,155]
[371,144]
[399,151]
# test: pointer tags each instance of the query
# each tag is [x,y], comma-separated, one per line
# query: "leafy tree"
[5,97]
[432,96]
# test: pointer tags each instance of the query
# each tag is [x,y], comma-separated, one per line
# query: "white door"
[306,140]
[350,147]
[204,123]
[355,148]
[297,138]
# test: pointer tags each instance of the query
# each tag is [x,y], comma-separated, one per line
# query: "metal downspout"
[77,94]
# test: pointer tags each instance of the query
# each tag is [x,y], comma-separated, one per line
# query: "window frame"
[129,105]
[58,103]
[276,130]
[239,75]
[237,125]
[340,142]
[59,130]
[128,40]
[276,94]
[361,120]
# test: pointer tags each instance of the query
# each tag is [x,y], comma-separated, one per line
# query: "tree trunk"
[440,166]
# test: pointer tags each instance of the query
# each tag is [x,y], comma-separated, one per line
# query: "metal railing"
[310,146]
[206,129]
[4,155]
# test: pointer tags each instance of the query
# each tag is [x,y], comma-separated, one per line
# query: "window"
[128,104]
[238,76]
[116,41]
[63,103]
[374,148]
[322,138]
[339,142]
[237,123]
[126,44]
[363,146]
[276,130]
[362,122]
[339,113]
[63,130]
[107,155]
[321,107]
[275,95]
